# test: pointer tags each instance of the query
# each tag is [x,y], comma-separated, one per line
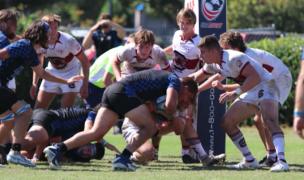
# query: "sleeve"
[91,116]
[38,51]
[162,59]
[19,49]
[175,39]
[73,46]
[239,62]
[174,83]
[126,53]
[208,69]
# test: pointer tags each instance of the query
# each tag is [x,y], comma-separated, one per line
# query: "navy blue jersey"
[22,53]
[150,84]
[72,120]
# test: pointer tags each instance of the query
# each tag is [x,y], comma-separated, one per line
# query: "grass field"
[170,164]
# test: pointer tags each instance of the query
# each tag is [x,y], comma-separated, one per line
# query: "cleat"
[211,159]
[53,155]
[244,164]
[187,159]
[2,156]
[280,166]
[121,162]
[266,162]
[155,157]
[15,157]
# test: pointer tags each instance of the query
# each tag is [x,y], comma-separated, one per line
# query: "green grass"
[170,165]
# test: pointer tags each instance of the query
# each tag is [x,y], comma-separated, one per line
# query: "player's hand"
[84,91]
[112,148]
[298,125]
[75,79]
[33,91]
[217,84]
[34,160]
[227,96]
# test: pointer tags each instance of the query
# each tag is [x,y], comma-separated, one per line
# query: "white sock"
[240,143]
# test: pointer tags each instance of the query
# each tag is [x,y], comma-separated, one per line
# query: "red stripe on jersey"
[268,68]
[79,52]
[191,64]
[69,58]
[206,72]
[243,68]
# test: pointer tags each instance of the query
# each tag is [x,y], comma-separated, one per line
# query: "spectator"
[105,35]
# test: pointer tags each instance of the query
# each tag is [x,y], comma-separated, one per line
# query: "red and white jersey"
[271,63]
[191,52]
[232,66]
[61,55]
[131,64]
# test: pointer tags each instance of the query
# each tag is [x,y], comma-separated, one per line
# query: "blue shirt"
[22,53]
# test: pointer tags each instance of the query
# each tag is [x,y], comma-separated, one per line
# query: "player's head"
[38,33]
[208,47]
[187,94]
[54,21]
[186,20]
[144,40]
[90,151]
[130,38]
[8,22]
[232,40]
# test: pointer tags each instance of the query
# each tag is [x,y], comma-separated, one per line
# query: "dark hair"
[8,14]
[234,39]
[105,16]
[209,42]
[187,81]
[36,33]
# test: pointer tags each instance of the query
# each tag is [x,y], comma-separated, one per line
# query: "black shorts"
[116,99]
[48,120]
[7,99]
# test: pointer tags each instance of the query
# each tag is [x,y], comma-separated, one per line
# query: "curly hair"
[234,39]
[36,33]
[144,36]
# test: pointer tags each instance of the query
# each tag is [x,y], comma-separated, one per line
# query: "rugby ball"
[160,103]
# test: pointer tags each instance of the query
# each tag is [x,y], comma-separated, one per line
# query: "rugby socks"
[278,141]
[126,153]
[16,147]
[271,154]
[185,150]
[62,146]
[7,147]
[240,143]
[197,147]
[156,150]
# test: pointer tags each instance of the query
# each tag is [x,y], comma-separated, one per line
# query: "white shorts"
[264,90]
[12,84]
[128,130]
[58,88]
[284,83]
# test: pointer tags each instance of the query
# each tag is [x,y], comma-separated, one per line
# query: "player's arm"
[50,77]
[88,39]
[39,150]
[169,50]
[107,79]
[4,54]
[208,83]
[33,90]
[116,67]
[163,61]
[171,101]
[88,124]
[121,33]
[252,79]
[199,76]
[298,117]
[85,71]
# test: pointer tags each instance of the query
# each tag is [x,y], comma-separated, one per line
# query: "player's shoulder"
[196,38]
[65,36]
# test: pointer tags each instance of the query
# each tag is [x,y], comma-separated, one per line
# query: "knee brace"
[23,108]
[10,116]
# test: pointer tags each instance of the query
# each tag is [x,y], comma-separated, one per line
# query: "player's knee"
[9,124]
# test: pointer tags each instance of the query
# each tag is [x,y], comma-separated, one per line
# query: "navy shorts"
[94,96]
[116,99]
[7,99]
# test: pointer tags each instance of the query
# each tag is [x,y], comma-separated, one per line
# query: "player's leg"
[35,136]
[68,99]
[236,113]
[44,99]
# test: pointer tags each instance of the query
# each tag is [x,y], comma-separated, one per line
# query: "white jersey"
[276,68]
[191,52]
[131,65]
[233,63]
[61,55]
[271,63]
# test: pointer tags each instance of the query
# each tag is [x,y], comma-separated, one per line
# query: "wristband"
[104,142]
[298,113]
[36,157]
[238,91]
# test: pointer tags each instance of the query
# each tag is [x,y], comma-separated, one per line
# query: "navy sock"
[62,147]
[126,153]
